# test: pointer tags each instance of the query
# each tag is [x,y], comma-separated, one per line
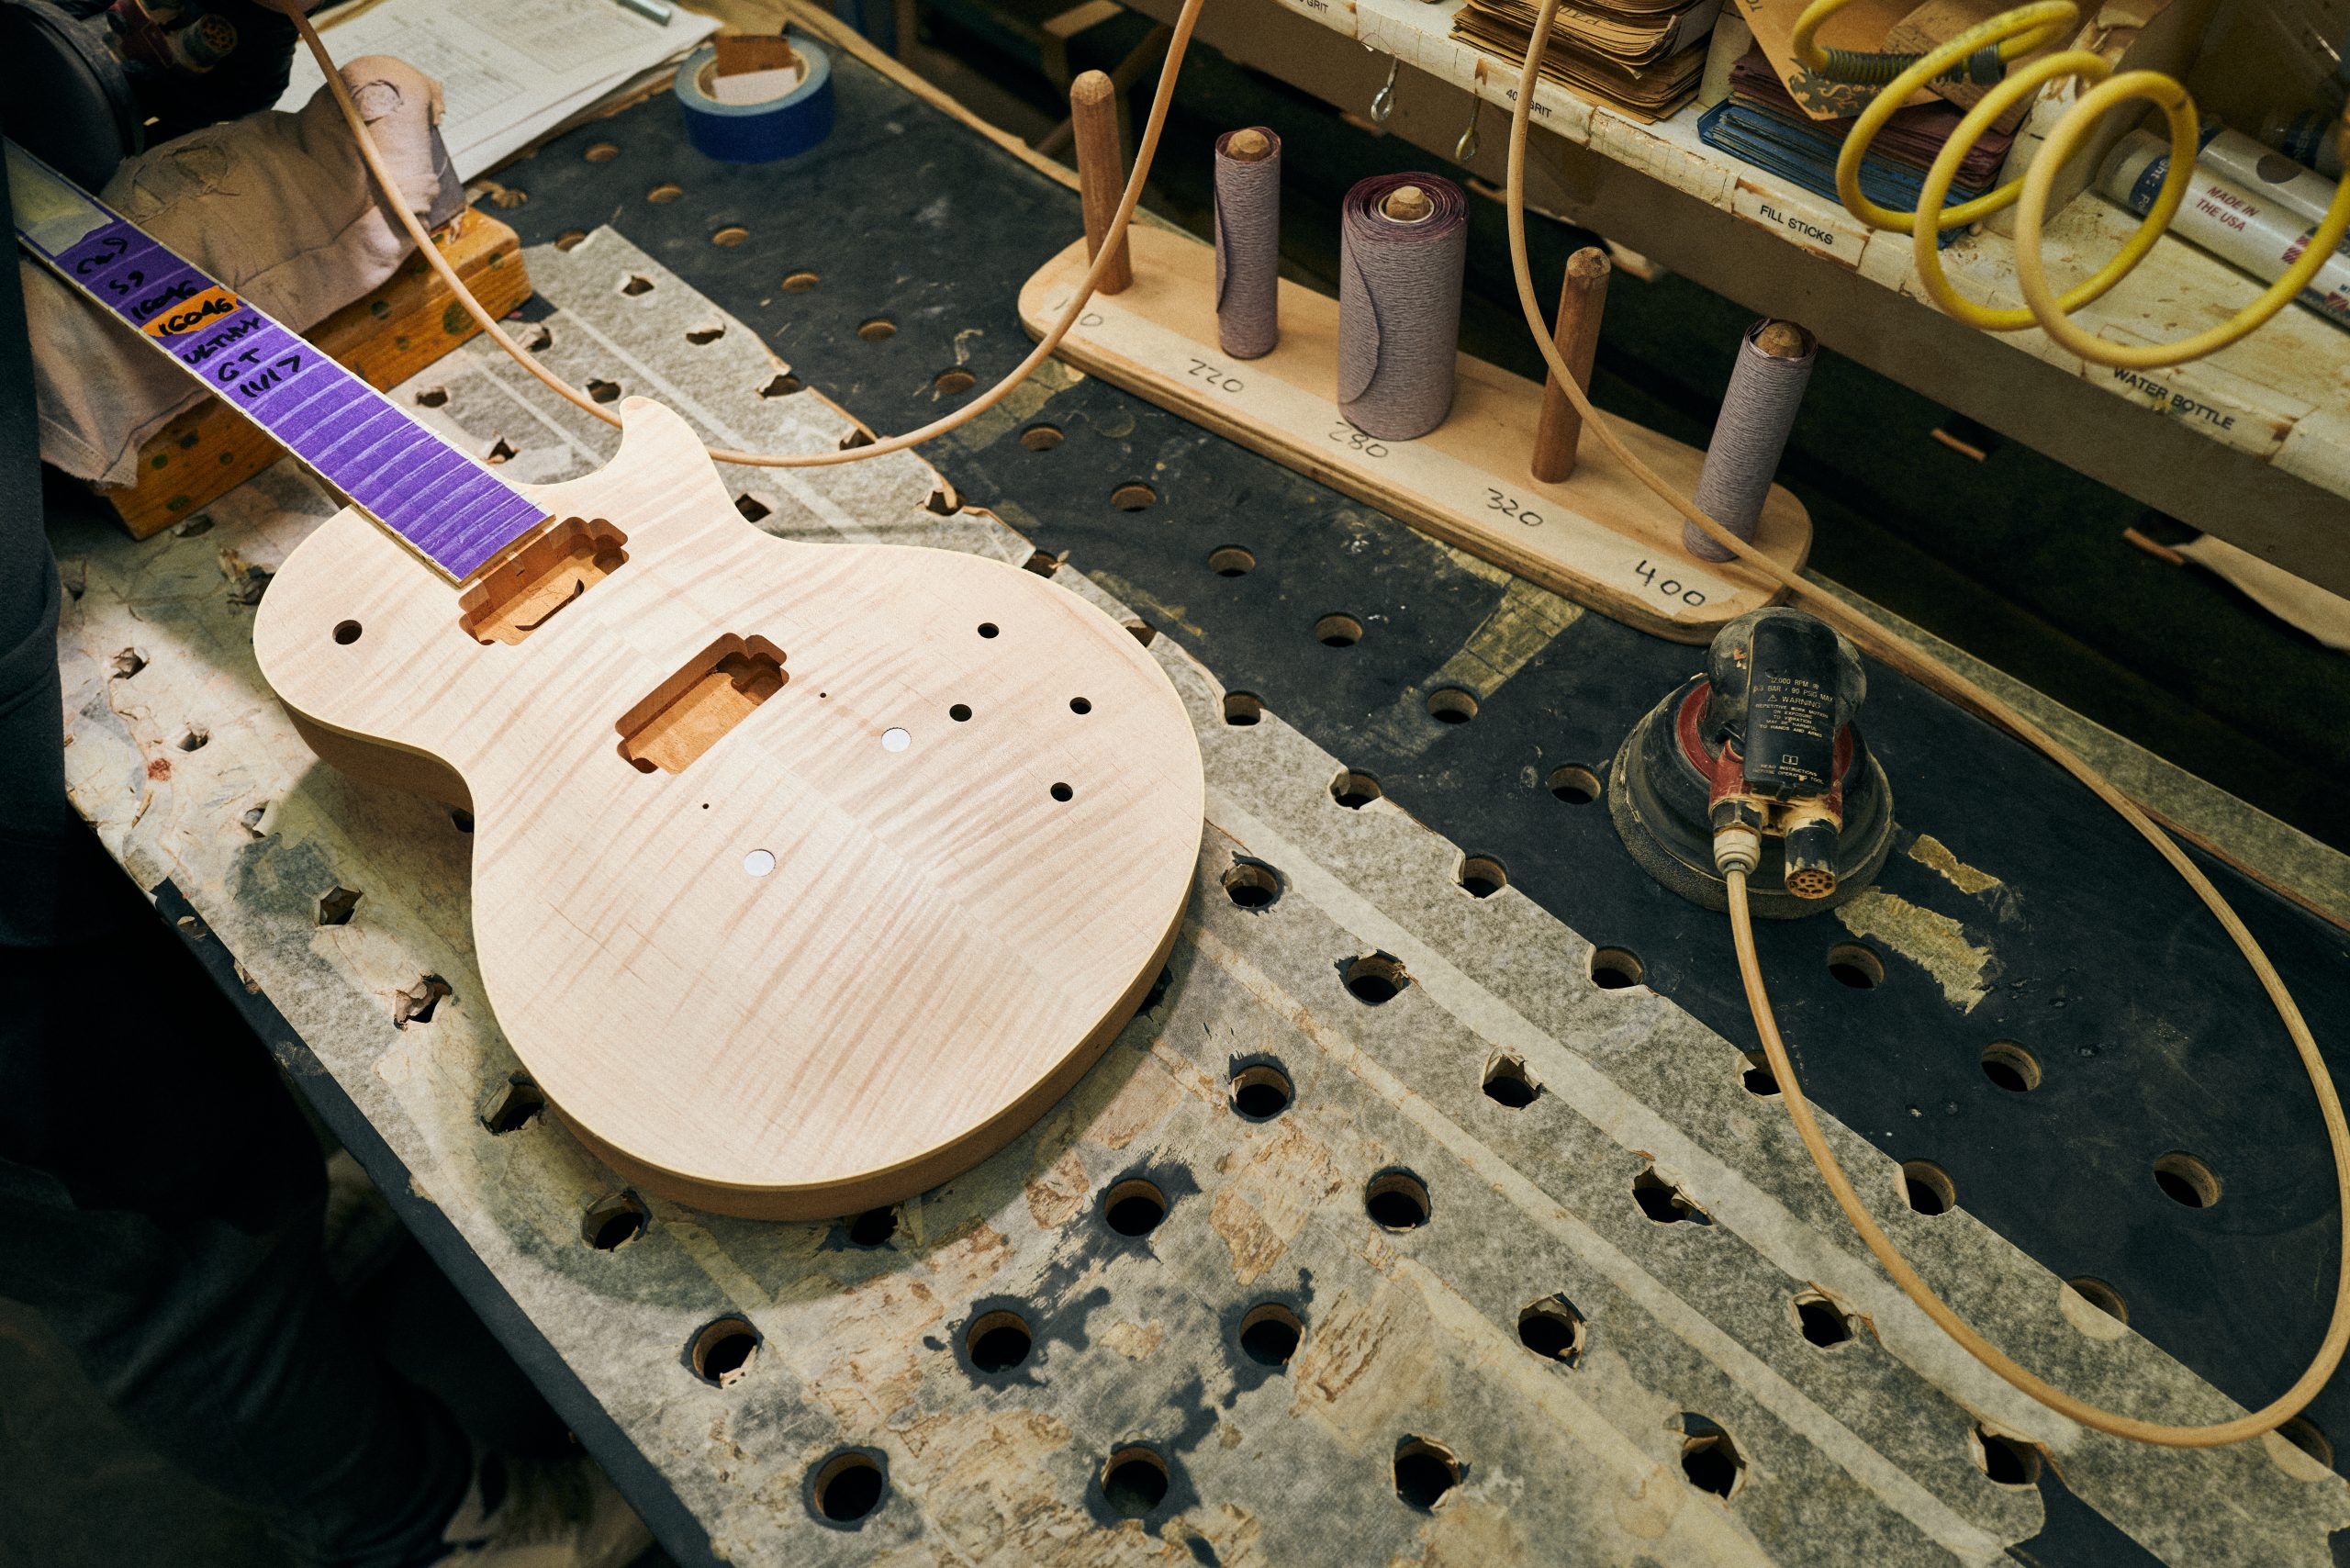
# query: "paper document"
[510,71]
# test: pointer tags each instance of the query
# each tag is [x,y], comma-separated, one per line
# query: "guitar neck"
[449,508]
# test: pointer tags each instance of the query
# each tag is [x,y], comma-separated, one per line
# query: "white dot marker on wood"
[895,740]
[758,862]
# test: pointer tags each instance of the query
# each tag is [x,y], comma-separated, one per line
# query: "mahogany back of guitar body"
[819,966]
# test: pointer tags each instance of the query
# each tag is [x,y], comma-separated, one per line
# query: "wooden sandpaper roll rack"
[1501,478]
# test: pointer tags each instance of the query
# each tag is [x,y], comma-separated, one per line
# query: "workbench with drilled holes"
[1433,1208]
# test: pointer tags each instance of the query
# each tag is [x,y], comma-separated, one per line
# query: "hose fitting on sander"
[1756,766]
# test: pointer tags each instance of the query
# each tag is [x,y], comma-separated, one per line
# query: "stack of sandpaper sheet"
[1761,123]
[1640,57]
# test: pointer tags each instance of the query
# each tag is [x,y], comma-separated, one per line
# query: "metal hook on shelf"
[1382,103]
[1466,148]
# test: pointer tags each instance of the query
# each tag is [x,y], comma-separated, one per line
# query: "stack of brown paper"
[1640,57]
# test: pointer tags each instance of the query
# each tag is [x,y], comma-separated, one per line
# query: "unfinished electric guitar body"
[804,875]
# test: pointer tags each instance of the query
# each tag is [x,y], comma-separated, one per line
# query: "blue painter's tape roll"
[756,133]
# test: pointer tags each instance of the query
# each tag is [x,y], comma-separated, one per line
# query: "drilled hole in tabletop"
[877,329]
[1354,791]
[1709,1458]
[1080,705]
[856,438]
[637,284]
[1135,1480]
[751,506]
[730,236]
[800,281]
[701,336]
[345,632]
[873,1228]
[846,1488]
[1574,784]
[1134,496]
[569,239]
[953,383]
[1452,705]
[1242,708]
[2299,1431]
[1482,876]
[512,1105]
[1041,438]
[2102,1296]
[1374,978]
[998,1341]
[1062,792]
[1424,1470]
[1665,1204]
[2009,1462]
[665,193]
[1252,884]
[604,391]
[613,1223]
[1396,1200]
[1134,1207]
[782,385]
[601,153]
[1821,1321]
[2010,1067]
[1508,1083]
[1855,966]
[988,629]
[960,712]
[1337,631]
[1757,1077]
[1270,1333]
[724,1351]
[1232,561]
[336,904]
[1615,968]
[432,398]
[1928,1187]
[1553,1328]
[2186,1181]
[1261,1092]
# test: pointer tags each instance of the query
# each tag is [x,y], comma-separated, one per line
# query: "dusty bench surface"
[1608,1289]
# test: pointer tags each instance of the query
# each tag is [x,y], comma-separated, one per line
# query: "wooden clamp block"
[385,337]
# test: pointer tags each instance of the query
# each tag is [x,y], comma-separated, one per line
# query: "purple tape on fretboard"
[455,512]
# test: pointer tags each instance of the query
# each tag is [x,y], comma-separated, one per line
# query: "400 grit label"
[1522,517]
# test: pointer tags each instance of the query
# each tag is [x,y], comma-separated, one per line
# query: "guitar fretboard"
[450,509]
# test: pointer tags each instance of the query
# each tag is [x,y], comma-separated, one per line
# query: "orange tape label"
[188,314]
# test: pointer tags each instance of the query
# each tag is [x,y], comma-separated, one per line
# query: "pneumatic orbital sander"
[1757,763]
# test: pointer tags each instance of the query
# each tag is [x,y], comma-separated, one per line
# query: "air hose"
[2010,35]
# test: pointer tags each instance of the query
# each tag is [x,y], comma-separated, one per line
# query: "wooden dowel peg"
[1581,298]
[1101,171]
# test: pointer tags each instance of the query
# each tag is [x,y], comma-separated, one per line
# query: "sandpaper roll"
[1247,242]
[1400,265]
[1774,360]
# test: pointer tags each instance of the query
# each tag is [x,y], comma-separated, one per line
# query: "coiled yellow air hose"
[1863,632]
[2014,34]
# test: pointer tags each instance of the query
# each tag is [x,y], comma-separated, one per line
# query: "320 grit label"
[1517,516]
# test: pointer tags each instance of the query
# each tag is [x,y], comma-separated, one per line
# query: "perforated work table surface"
[2014,909]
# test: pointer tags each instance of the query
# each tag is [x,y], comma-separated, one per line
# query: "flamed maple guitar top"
[804,875]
